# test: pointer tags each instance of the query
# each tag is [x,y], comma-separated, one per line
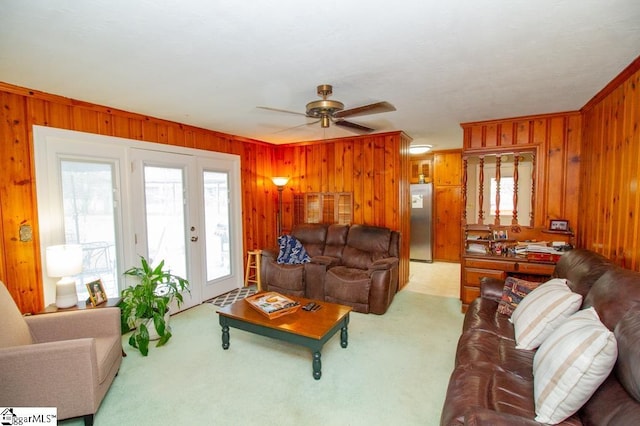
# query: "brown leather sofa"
[492,382]
[353,265]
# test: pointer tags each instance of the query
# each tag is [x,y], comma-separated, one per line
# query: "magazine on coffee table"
[272,304]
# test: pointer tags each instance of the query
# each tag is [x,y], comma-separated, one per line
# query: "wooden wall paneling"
[554,165]
[23,108]
[491,139]
[522,132]
[358,179]
[572,170]
[632,144]
[506,134]
[17,194]
[609,179]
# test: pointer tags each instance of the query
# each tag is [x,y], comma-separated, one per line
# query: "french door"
[121,199]
[181,216]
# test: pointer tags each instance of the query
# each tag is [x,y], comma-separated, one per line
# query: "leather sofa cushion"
[370,238]
[286,277]
[344,284]
[479,346]
[613,294]
[627,334]
[582,268]
[312,236]
[611,405]
[336,240]
[482,315]
[482,385]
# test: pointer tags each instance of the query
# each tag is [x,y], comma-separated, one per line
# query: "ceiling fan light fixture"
[419,149]
[325,121]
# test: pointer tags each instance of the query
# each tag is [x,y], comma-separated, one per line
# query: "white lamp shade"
[280,180]
[64,260]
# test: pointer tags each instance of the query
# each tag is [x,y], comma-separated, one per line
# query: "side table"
[112,302]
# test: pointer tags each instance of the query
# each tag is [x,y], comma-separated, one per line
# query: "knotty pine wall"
[374,168]
[609,192]
[557,138]
[370,166]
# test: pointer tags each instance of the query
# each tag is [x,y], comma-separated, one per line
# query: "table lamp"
[65,261]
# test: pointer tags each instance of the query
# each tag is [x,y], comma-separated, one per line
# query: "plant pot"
[151,327]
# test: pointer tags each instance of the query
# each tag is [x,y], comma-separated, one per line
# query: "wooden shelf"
[550,231]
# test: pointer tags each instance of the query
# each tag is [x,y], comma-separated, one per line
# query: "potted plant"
[145,306]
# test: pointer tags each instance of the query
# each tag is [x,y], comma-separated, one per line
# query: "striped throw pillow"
[571,364]
[542,311]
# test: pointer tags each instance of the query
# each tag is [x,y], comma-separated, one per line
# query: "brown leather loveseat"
[353,265]
[493,382]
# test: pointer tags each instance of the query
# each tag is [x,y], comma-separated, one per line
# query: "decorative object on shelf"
[145,306]
[559,225]
[97,295]
[65,261]
[279,182]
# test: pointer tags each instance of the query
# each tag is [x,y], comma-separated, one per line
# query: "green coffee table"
[309,329]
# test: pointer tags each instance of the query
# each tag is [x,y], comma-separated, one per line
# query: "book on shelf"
[272,304]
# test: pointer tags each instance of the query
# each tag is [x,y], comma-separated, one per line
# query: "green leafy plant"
[148,302]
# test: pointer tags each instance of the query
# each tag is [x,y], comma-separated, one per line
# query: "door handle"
[194,239]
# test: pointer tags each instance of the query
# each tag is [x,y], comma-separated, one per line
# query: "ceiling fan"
[328,111]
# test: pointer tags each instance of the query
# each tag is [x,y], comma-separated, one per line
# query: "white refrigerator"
[421,213]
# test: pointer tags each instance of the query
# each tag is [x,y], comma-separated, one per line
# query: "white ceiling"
[210,63]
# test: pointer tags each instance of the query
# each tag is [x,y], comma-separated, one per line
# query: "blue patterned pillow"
[291,250]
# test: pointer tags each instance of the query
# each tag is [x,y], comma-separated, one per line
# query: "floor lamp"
[279,182]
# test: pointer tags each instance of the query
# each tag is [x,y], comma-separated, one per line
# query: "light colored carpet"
[394,371]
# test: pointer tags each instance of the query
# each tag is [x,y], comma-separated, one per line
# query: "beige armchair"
[65,360]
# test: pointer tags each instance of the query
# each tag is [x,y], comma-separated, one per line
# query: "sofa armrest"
[270,253]
[43,374]
[381,264]
[86,323]
[491,288]
[484,417]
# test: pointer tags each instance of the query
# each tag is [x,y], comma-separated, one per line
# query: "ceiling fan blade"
[353,126]
[376,108]
[281,110]
[295,127]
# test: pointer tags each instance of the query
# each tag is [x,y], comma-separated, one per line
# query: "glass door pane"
[216,214]
[89,220]
[164,194]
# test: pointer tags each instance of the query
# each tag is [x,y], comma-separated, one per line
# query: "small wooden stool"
[252,275]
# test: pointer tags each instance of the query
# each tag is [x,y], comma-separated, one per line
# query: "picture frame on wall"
[559,225]
[97,295]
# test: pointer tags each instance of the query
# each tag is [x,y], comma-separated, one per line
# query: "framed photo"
[559,225]
[500,235]
[97,295]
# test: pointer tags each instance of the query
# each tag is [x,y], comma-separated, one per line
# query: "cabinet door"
[447,228]
[448,168]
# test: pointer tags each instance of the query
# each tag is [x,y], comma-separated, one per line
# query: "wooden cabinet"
[421,168]
[446,221]
[447,205]
[473,268]
[324,207]
[448,166]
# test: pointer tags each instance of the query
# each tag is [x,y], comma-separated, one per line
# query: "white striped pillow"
[571,364]
[542,311]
